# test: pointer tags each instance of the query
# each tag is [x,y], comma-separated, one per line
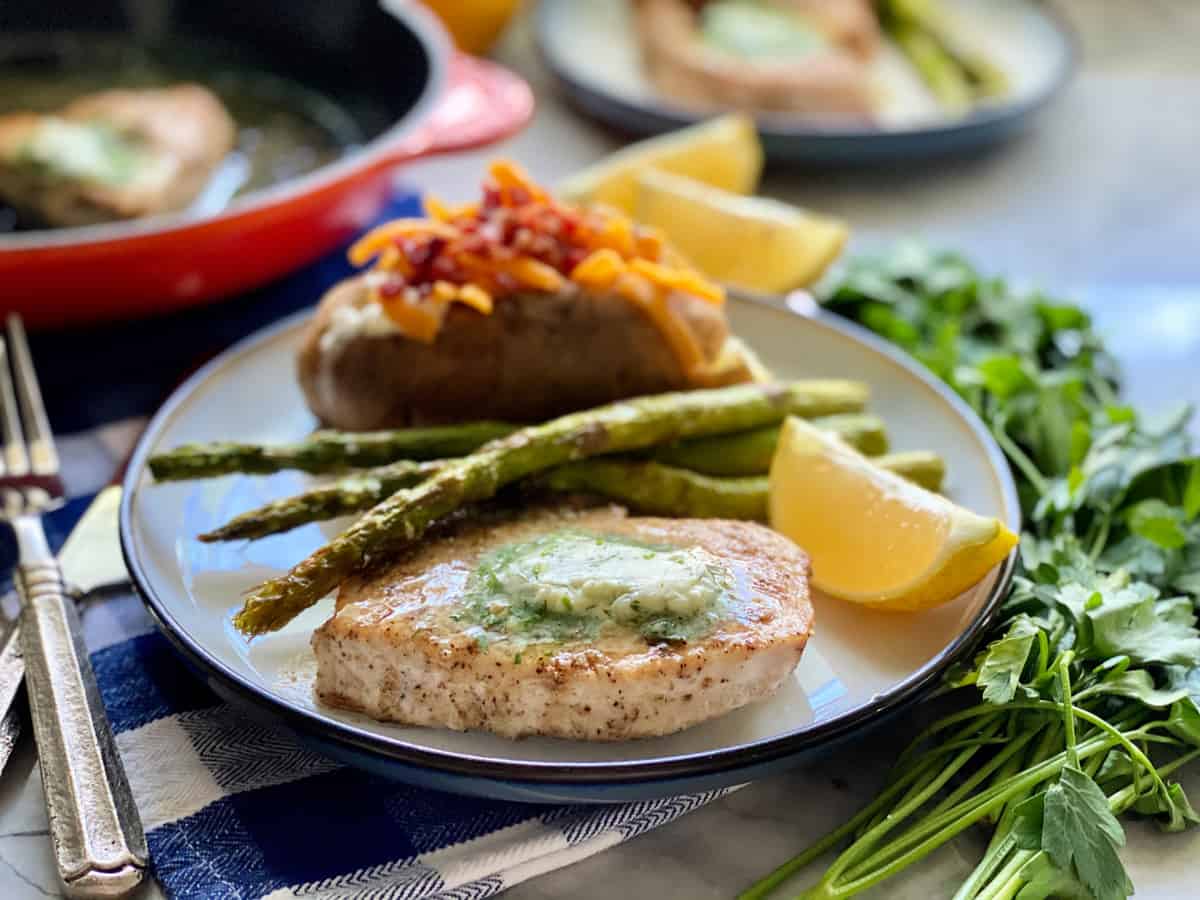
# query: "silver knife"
[91,562]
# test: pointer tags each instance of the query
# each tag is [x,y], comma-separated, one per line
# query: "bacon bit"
[372,243]
[391,287]
[521,238]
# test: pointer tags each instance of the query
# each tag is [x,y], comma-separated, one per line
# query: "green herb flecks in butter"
[572,585]
[753,31]
[88,151]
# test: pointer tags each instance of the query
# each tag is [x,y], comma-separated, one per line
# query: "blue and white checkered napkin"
[233,809]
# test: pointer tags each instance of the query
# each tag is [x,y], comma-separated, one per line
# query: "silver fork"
[99,844]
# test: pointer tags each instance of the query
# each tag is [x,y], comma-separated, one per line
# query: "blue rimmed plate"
[590,47]
[859,668]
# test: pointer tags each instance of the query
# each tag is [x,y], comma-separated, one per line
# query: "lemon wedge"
[723,152]
[874,538]
[750,242]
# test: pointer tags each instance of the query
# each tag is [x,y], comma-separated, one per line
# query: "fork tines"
[28,452]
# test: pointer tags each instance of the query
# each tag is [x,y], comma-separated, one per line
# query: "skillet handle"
[483,103]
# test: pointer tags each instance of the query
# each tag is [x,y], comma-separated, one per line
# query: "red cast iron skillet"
[389,65]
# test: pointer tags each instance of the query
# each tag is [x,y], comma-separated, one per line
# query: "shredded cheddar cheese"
[520,239]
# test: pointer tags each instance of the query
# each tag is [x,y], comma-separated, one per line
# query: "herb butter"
[570,584]
[90,151]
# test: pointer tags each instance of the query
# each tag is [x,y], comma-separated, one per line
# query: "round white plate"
[858,667]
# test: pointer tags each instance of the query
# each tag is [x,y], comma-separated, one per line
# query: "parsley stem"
[1101,539]
[996,854]
[979,710]
[1017,456]
[979,776]
[914,802]
[1002,838]
[1130,747]
[1008,877]
[930,757]
[1118,802]
[929,760]
[937,830]
[765,886]
[1068,708]
[1009,887]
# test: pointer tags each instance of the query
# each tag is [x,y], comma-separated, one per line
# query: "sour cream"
[350,322]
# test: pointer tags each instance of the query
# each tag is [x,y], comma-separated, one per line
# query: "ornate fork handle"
[98,839]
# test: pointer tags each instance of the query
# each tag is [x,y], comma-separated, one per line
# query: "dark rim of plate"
[782,126]
[707,763]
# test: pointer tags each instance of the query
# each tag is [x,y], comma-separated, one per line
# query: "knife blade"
[91,562]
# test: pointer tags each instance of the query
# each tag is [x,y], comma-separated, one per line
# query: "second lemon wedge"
[874,538]
[723,152]
[749,242]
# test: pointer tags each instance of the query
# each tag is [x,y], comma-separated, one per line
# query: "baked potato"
[535,357]
[519,308]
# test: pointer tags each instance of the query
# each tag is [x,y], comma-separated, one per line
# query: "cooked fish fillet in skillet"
[116,154]
[589,625]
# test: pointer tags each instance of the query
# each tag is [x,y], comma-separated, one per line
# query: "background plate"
[859,667]
[590,47]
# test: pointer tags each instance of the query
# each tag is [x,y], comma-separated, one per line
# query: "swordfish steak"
[581,624]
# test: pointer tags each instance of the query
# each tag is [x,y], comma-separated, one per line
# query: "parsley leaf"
[1127,621]
[1112,539]
[1158,523]
[1000,672]
[1079,830]
[1173,811]
[1184,721]
[1139,685]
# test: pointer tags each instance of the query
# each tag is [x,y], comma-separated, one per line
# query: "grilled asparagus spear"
[743,453]
[955,73]
[650,487]
[619,427]
[750,452]
[325,451]
[353,494]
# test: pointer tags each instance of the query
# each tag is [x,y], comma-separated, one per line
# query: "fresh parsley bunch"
[1085,699]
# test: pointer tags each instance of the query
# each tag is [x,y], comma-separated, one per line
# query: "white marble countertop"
[1101,199]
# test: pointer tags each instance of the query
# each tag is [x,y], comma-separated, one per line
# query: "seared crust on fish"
[395,650]
[831,82]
